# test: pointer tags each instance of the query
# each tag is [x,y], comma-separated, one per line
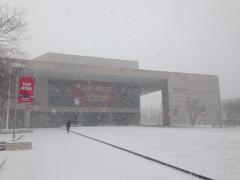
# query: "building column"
[165,105]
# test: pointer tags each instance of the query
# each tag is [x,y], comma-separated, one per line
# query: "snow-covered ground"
[3,156]
[211,152]
[57,155]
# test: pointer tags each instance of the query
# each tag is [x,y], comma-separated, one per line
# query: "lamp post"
[9,95]
[17,67]
[15,106]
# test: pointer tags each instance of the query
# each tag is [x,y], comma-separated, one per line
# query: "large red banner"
[26,89]
[95,93]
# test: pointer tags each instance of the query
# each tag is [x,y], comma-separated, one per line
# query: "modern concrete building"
[102,91]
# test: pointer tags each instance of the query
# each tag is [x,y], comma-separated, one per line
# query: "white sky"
[196,36]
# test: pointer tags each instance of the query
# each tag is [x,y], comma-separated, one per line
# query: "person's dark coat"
[68,124]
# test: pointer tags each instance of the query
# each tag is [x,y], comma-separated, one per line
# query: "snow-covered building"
[102,91]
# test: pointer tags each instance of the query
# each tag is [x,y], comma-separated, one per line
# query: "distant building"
[102,91]
[151,117]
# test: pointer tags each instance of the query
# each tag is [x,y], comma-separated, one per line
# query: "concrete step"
[3,145]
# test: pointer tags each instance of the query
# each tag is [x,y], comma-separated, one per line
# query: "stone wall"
[195,97]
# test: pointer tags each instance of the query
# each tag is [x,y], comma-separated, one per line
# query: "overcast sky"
[195,36]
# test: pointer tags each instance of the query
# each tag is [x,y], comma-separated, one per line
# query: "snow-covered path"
[60,156]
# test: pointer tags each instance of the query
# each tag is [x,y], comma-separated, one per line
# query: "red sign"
[96,94]
[26,89]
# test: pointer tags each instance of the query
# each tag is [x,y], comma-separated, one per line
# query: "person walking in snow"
[68,125]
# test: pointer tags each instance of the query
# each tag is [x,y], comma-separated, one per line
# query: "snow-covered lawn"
[211,152]
[57,155]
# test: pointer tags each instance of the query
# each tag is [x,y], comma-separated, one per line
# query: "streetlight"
[9,91]
[17,67]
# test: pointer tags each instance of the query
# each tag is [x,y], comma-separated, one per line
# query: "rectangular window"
[92,93]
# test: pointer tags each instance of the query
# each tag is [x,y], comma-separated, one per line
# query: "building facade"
[101,91]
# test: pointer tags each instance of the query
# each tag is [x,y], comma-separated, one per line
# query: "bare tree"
[195,109]
[12,30]
[232,111]
[12,33]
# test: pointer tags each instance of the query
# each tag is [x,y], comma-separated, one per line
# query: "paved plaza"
[60,156]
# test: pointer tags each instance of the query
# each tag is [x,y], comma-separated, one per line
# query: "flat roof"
[148,80]
[87,60]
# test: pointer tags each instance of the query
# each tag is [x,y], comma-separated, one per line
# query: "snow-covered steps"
[15,145]
[18,145]
[18,131]
[2,145]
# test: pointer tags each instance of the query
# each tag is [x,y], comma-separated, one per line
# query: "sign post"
[29,107]
[15,111]
[24,94]
[17,67]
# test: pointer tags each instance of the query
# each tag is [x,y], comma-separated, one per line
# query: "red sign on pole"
[26,89]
